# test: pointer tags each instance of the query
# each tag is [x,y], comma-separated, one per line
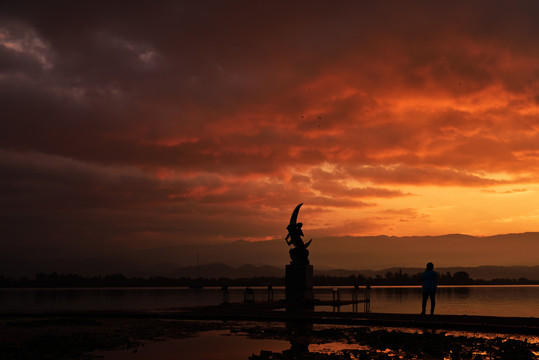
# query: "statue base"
[299,287]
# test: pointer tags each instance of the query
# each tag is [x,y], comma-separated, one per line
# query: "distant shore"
[55,280]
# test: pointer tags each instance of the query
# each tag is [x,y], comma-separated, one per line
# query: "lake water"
[454,300]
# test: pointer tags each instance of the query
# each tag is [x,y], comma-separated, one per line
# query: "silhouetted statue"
[299,253]
[429,286]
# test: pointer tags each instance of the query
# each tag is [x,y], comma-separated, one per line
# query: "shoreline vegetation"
[56,280]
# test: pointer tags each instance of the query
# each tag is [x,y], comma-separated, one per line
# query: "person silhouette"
[428,279]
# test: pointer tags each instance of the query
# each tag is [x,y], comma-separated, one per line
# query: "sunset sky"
[147,124]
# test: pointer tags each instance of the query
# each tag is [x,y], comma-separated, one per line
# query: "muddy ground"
[79,338]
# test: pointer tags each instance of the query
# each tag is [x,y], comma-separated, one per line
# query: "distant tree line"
[42,280]
[404,279]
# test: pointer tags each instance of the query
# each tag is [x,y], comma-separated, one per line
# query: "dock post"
[248,295]
[226,295]
[367,299]
[270,293]
[355,298]
[336,299]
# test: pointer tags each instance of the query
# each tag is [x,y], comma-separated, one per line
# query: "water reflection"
[335,342]
[472,300]
[208,345]
[457,292]
[141,339]
[300,336]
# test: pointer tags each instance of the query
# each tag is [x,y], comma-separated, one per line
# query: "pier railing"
[337,300]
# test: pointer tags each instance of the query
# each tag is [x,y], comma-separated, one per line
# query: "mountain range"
[245,271]
[375,253]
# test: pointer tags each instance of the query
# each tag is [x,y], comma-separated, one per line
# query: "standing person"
[429,278]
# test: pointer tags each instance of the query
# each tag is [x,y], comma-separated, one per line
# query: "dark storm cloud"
[125,79]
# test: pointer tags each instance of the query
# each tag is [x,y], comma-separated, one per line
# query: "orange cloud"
[209,122]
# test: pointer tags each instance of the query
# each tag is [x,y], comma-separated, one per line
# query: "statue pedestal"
[299,287]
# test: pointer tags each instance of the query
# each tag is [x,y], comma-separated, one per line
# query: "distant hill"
[226,271]
[363,252]
[369,252]
[246,271]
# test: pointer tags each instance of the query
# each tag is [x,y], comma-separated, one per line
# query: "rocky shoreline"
[71,337]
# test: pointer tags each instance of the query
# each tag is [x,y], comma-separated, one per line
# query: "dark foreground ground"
[79,336]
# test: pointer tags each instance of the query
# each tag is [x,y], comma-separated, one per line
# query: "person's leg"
[424,302]
[432,302]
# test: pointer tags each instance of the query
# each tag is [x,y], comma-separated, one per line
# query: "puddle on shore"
[256,342]
[208,345]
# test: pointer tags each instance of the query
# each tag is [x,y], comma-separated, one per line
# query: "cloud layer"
[209,121]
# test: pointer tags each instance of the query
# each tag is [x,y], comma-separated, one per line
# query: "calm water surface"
[458,300]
